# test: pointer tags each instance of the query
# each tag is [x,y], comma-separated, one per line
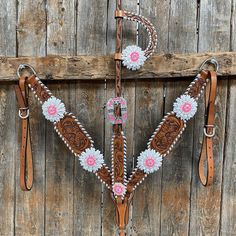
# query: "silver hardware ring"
[27,112]
[212,134]
[211,61]
[24,66]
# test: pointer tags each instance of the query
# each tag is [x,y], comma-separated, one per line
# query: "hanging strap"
[26,158]
[209,132]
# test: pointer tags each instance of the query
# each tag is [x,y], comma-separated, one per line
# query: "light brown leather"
[26,158]
[119,14]
[207,145]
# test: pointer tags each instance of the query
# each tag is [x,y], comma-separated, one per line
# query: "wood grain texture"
[31,39]
[59,175]
[147,198]
[90,39]
[8,136]
[59,160]
[149,110]
[206,202]
[176,178]
[228,205]
[228,215]
[102,67]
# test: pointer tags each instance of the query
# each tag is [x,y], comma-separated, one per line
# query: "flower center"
[186,107]
[150,162]
[134,56]
[52,110]
[90,161]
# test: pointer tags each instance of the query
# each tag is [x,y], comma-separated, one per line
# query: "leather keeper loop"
[119,14]
[118,57]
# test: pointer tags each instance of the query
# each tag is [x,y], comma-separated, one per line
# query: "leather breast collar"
[79,142]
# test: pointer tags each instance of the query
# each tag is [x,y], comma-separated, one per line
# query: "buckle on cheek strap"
[26,158]
[209,132]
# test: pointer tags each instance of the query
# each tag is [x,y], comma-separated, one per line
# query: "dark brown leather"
[26,158]
[207,146]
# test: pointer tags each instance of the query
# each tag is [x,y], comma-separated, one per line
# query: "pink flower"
[91,159]
[149,161]
[119,189]
[53,109]
[185,107]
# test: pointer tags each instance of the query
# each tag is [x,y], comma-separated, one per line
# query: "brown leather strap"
[26,159]
[209,132]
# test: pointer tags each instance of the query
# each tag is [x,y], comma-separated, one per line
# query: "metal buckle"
[24,109]
[212,134]
[211,61]
[24,66]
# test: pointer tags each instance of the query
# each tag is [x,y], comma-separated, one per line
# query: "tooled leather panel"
[104,174]
[136,177]
[195,90]
[167,134]
[73,134]
[118,158]
[148,25]
[39,89]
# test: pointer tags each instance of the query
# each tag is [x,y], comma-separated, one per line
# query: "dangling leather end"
[206,155]
[26,158]
[122,213]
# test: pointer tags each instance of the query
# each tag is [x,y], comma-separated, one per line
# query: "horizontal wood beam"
[103,67]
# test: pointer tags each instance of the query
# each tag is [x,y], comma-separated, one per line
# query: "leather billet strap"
[26,158]
[68,128]
[209,132]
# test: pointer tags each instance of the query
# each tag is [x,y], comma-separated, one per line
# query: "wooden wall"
[67,201]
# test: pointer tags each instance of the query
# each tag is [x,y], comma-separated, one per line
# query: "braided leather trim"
[150,29]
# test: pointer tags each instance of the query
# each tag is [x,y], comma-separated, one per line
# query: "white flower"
[149,161]
[119,189]
[53,109]
[91,159]
[133,57]
[185,107]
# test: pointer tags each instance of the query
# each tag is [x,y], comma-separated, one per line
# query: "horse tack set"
[162,141]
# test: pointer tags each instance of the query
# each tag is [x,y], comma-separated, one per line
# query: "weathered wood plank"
[228,215]
[147,198]
[102,67]
[90,40]
[206,202]
[31,40]
[149,111]
[228,205]
[8,136]
[59,160]
[176,178]
[59,175]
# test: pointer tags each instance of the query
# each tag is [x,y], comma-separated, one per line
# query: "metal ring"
[211,61]
[212,134]
[24,66]
[27,113]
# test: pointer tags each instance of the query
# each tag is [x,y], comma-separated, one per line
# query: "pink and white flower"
[133,57]
[185,107]
[149,161]
[119,189]
[91,159]
[53,109]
